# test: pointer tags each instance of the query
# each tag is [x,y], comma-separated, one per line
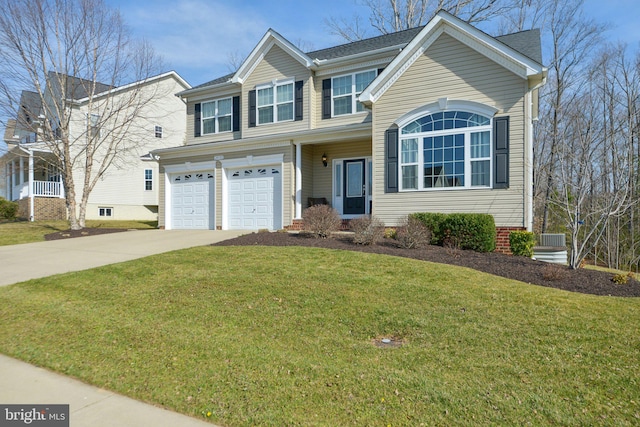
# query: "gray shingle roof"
[525,42]
[77,88]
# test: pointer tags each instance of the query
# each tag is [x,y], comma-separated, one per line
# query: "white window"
[158,131]
[450,149]
[148,179]
[216,116]
[274,102]
[346,89]
[106,212]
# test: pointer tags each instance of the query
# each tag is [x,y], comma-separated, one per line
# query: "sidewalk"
[21,383]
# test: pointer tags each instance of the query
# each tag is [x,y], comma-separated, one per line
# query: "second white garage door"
[255,198]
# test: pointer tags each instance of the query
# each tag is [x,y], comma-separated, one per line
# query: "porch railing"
[40,189]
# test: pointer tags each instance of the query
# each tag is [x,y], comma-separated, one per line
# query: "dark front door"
[354,187]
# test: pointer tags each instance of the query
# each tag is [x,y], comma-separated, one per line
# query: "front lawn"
[17,232]
[292,336]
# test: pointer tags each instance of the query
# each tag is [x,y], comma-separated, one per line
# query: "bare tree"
[389,16]
[73,54]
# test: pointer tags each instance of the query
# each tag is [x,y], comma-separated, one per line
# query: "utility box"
[552,248]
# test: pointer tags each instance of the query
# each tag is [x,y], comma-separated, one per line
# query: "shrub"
[412,233]
[390,233]
[554,272]
[522,243]
[321,220]
[368,230]
[620,279]
[8,209]
[433,221]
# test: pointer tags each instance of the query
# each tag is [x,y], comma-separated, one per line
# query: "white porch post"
[298,181]
[31,197]
[13,178]
[21,177]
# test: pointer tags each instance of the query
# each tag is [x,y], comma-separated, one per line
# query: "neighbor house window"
[106,212]
[94,125]
[275,102]
[216,116]
[148,179]
[158,131]
[450,149]
[346,89]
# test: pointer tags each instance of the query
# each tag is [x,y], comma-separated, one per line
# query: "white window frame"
[148,180]
[354,94]
[216,116]
[274,85]
[467,131]
[158,131]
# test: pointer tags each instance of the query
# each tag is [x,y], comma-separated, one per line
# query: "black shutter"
[391,160]
[298,98]
[501,152]
[196,120]
[252,108]
[326,99]
[236,113]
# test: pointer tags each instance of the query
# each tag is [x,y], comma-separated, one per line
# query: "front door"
[354,187]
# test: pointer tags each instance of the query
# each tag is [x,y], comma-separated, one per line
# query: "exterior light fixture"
[324,159]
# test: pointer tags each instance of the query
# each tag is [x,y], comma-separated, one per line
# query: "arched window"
[446,149]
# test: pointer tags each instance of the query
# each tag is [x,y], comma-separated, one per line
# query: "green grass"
[17,232]
[284,336]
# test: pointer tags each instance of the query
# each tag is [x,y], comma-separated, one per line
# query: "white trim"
[449,105]
[298,211]
[177,169]
[461,31]
[173,74]
[272,159]
[270,39]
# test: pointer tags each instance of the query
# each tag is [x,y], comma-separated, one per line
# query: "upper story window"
[158,131]
[94,125]
[346,89]
[217,116]
[275,102]
[450,149]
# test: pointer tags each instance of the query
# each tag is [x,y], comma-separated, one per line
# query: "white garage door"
[192,201]
[255,198]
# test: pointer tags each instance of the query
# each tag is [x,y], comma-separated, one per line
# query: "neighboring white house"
[129,188]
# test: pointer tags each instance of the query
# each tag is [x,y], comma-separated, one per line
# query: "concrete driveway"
[34,260]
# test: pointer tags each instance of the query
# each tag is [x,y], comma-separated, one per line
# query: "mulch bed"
[512,267]
[69,234]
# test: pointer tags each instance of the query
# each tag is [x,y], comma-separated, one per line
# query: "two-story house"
[129,189]
[437,118]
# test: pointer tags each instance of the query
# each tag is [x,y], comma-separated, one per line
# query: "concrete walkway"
[21,383]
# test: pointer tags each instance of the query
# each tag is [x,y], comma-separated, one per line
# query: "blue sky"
[195,37]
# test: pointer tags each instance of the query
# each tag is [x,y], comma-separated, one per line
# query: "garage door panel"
[251,203]
[192,201]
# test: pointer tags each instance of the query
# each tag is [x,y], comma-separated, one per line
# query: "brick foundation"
[44,208]
[502,238]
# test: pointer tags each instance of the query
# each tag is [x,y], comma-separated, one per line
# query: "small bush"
[412,233]
[390,233]
[321,220]
[469,231]
[8,209]
[522,243]
[620,279]
[554,272]
[368,230]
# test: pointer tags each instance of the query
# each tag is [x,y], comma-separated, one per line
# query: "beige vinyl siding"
[453,70]
[215,137]
[308,159]
[323,177]
[276,65]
